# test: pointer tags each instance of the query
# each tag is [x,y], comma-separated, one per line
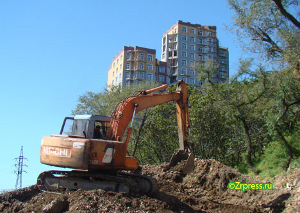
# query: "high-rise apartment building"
[136,64]
[185,44]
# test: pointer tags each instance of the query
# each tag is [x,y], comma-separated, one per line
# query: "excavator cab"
[88,126]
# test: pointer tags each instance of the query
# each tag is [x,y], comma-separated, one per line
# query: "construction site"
[203,190]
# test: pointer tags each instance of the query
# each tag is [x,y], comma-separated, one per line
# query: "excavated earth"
[203,190]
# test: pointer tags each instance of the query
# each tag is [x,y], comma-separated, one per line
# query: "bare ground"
[203,190]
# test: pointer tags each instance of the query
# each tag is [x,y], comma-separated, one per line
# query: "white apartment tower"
[186,44]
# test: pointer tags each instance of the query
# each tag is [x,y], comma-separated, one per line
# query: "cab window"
[101,129]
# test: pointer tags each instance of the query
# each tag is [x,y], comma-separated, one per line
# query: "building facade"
[136,64]
[186,44]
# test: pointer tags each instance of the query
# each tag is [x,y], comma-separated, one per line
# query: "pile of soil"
[203,190]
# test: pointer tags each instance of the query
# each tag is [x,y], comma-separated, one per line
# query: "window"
[201,57]
[127,75]
[117,70]
[201,49]
[192,39]
[192,55]
[128,56]
[200,41]
[142,57]
[175,46]
[209,33]
[184,54]
[161,78]
[192,81]
[128,66]
[149,77]
[149,67]
[183,45]
[141,66]
[150,58]
[141,75]
[192,30]
[184,79]
[162,70]
[117,61]
[192,72]
[184,37]
[120,66]
[184,29]
[222,75]
[183,71]
[192,47]
[183,62]
[200,33]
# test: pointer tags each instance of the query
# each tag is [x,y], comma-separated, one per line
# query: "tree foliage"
[270,28]
[104,103]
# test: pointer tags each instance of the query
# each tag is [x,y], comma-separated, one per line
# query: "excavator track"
[118,181]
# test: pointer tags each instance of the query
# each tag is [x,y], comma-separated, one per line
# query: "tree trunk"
[290,150]
[139,133]
[249,141]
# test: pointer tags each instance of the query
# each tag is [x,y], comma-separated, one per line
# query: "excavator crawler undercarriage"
[111,181]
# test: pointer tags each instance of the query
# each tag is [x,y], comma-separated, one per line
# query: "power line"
[19,165]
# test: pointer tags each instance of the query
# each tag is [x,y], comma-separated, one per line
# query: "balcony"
[185,74]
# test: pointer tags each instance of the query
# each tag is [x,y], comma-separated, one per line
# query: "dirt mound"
[203,190]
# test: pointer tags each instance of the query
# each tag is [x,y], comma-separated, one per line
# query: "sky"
[53,51]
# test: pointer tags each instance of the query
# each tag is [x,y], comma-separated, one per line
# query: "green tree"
[241,96]
[284,115]
[270,28]
[104,103]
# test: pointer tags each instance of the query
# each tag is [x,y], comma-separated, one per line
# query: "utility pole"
[19,165]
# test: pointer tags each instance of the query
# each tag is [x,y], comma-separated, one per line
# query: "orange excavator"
[93,145]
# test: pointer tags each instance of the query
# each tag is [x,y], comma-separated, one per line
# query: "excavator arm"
[126,110]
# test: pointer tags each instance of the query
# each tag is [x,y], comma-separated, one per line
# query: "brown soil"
[203,190]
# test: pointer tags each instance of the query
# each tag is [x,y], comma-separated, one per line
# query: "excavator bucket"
[186,160]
